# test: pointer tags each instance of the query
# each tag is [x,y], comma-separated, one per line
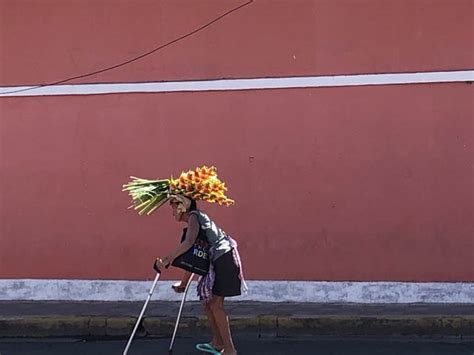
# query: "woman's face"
[177,214]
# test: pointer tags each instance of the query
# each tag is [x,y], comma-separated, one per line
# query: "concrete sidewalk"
[116,319]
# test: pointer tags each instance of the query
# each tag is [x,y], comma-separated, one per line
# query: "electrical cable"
[135,58]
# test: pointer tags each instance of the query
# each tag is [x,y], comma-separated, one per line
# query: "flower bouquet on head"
[199,184]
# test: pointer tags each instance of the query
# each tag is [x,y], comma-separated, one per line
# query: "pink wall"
[369,183]
[363,183]
[47,41]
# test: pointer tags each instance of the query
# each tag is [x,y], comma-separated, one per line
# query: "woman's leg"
[216,336]
[180,287]
[222,322]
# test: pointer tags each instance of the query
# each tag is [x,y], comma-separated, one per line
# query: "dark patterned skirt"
[227,281]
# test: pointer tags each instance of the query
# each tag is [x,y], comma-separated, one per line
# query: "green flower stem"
[159,204]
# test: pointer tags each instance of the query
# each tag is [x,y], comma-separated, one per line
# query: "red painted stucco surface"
[366,183]
[50,40]
[362,183]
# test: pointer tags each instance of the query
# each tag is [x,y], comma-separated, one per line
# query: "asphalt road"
[245,345]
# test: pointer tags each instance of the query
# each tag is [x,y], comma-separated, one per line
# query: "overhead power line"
[135,58]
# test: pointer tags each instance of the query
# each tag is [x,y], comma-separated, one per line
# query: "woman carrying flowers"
[224,278]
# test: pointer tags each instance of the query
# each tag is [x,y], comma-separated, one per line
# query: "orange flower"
[202,183]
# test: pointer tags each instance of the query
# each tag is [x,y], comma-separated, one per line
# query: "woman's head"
[181,207]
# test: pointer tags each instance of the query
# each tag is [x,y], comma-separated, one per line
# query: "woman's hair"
[193,206]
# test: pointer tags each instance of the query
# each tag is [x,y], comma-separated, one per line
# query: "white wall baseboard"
[263,291]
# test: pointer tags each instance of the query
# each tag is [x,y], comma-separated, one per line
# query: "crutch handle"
[157,269]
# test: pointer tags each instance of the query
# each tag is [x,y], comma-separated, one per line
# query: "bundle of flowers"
[199,184]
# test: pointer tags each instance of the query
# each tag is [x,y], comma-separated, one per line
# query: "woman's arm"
[191,235]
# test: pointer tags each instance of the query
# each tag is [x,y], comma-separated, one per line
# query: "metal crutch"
[158,273]
[179,313]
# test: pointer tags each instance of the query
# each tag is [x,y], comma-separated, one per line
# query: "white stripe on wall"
[262,291]
[245,84]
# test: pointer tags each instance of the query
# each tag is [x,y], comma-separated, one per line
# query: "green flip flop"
[208,348]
